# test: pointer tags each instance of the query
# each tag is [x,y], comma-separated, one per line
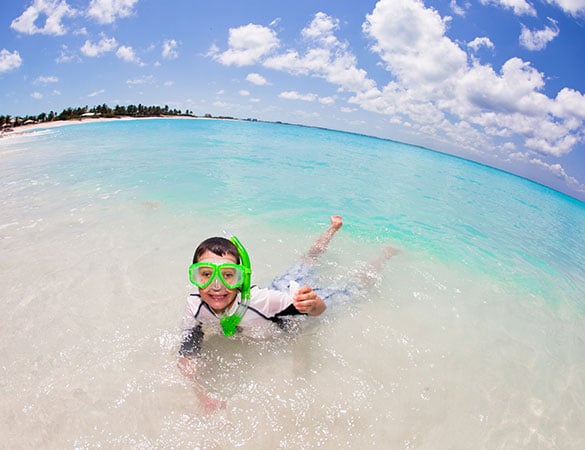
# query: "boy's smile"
[216,295]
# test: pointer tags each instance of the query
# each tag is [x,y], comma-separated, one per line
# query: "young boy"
[217,272]
[266,306]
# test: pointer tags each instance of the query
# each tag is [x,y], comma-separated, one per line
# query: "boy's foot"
[336,222]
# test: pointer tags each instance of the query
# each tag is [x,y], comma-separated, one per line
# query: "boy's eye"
[205,273]
[228,274]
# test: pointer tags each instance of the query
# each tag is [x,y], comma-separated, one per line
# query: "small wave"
[21,135]
[7,225]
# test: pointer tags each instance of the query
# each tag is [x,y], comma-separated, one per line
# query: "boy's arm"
[192,340]
[187,364]
[188,368]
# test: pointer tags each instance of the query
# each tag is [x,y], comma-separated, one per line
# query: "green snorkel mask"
[230,323]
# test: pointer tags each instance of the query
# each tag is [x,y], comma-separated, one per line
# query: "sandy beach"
[26,130]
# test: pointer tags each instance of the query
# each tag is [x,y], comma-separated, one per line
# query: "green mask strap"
[230,323]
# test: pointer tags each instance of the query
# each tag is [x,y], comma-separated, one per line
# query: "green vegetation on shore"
[96,112]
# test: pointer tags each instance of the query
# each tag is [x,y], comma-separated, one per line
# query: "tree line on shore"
[97,111]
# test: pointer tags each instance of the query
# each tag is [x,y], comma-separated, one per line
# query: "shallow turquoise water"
[482,313]
[446,207]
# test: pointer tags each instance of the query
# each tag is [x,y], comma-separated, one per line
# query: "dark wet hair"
[217,245]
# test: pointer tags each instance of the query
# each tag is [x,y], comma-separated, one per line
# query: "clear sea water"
[472,337]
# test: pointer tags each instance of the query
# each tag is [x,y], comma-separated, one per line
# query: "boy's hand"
[188,369]
[308,302]
[211,405]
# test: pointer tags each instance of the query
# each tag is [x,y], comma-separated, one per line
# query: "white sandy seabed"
[431,357]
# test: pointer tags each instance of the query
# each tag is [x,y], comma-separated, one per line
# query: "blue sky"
[501,82]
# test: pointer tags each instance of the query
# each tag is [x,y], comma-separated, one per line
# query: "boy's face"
[216,295]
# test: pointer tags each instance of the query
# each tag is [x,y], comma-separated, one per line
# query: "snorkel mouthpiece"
[230,323]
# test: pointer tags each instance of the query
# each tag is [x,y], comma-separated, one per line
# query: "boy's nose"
[215,284]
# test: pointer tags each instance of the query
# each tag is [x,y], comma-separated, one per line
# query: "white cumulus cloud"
[456,8]
[326,100]
[147,79]
[108,11]
[479,42]
[256,79]
[126,53]
[105,45]
[520,7]
[558,171]
[294,95]
[538,39]
[53,10]
[247,45]
[46,80]
[326,57]
[9,60]
[170,49]
[435,81]
[420,53]
[66,55]
[575,8]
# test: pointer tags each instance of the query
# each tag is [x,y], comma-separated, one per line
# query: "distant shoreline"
[24,130]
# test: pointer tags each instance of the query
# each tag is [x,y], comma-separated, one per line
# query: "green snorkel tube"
[230,323]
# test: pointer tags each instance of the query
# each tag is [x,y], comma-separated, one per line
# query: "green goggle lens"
[202,274]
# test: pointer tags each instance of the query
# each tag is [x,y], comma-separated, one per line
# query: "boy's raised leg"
[322,242]
[369,275]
